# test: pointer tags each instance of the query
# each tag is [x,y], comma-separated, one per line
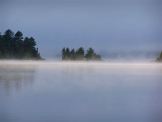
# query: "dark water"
[80,92]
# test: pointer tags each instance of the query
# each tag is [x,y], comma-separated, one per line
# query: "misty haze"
[80,91]
[80,61]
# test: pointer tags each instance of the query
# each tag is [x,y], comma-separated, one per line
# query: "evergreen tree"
[72,53]
[90,54]
[29,47]
[7,43]
[18,44]
[80,54]
[67,54]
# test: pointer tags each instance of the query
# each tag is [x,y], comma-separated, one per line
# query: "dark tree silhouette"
[6,43]
[63,53]
[19,48]
[16,47]
[67,53]
[72,54]
[79,54]
[91,55]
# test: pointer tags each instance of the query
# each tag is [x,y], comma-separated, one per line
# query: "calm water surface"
[80,92]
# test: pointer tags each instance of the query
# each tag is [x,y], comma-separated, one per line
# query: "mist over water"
[56,91]
[126,86]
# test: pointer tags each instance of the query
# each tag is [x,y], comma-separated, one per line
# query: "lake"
[51,91]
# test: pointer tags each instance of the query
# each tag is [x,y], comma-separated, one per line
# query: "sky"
[109,26]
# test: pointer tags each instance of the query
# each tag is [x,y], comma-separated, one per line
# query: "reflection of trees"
[16,76]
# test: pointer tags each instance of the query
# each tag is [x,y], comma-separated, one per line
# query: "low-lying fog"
[58,91]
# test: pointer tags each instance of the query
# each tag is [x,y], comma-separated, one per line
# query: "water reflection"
[81,92]
[15,77]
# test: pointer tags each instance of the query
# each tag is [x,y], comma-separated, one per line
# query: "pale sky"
[106,25]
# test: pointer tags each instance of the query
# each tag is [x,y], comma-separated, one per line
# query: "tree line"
[15,46]
[79,54]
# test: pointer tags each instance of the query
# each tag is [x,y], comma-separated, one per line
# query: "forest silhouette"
[79,54]
[15,46]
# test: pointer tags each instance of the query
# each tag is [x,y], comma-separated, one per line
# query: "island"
[159,59]
[15,46]
[80,54]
